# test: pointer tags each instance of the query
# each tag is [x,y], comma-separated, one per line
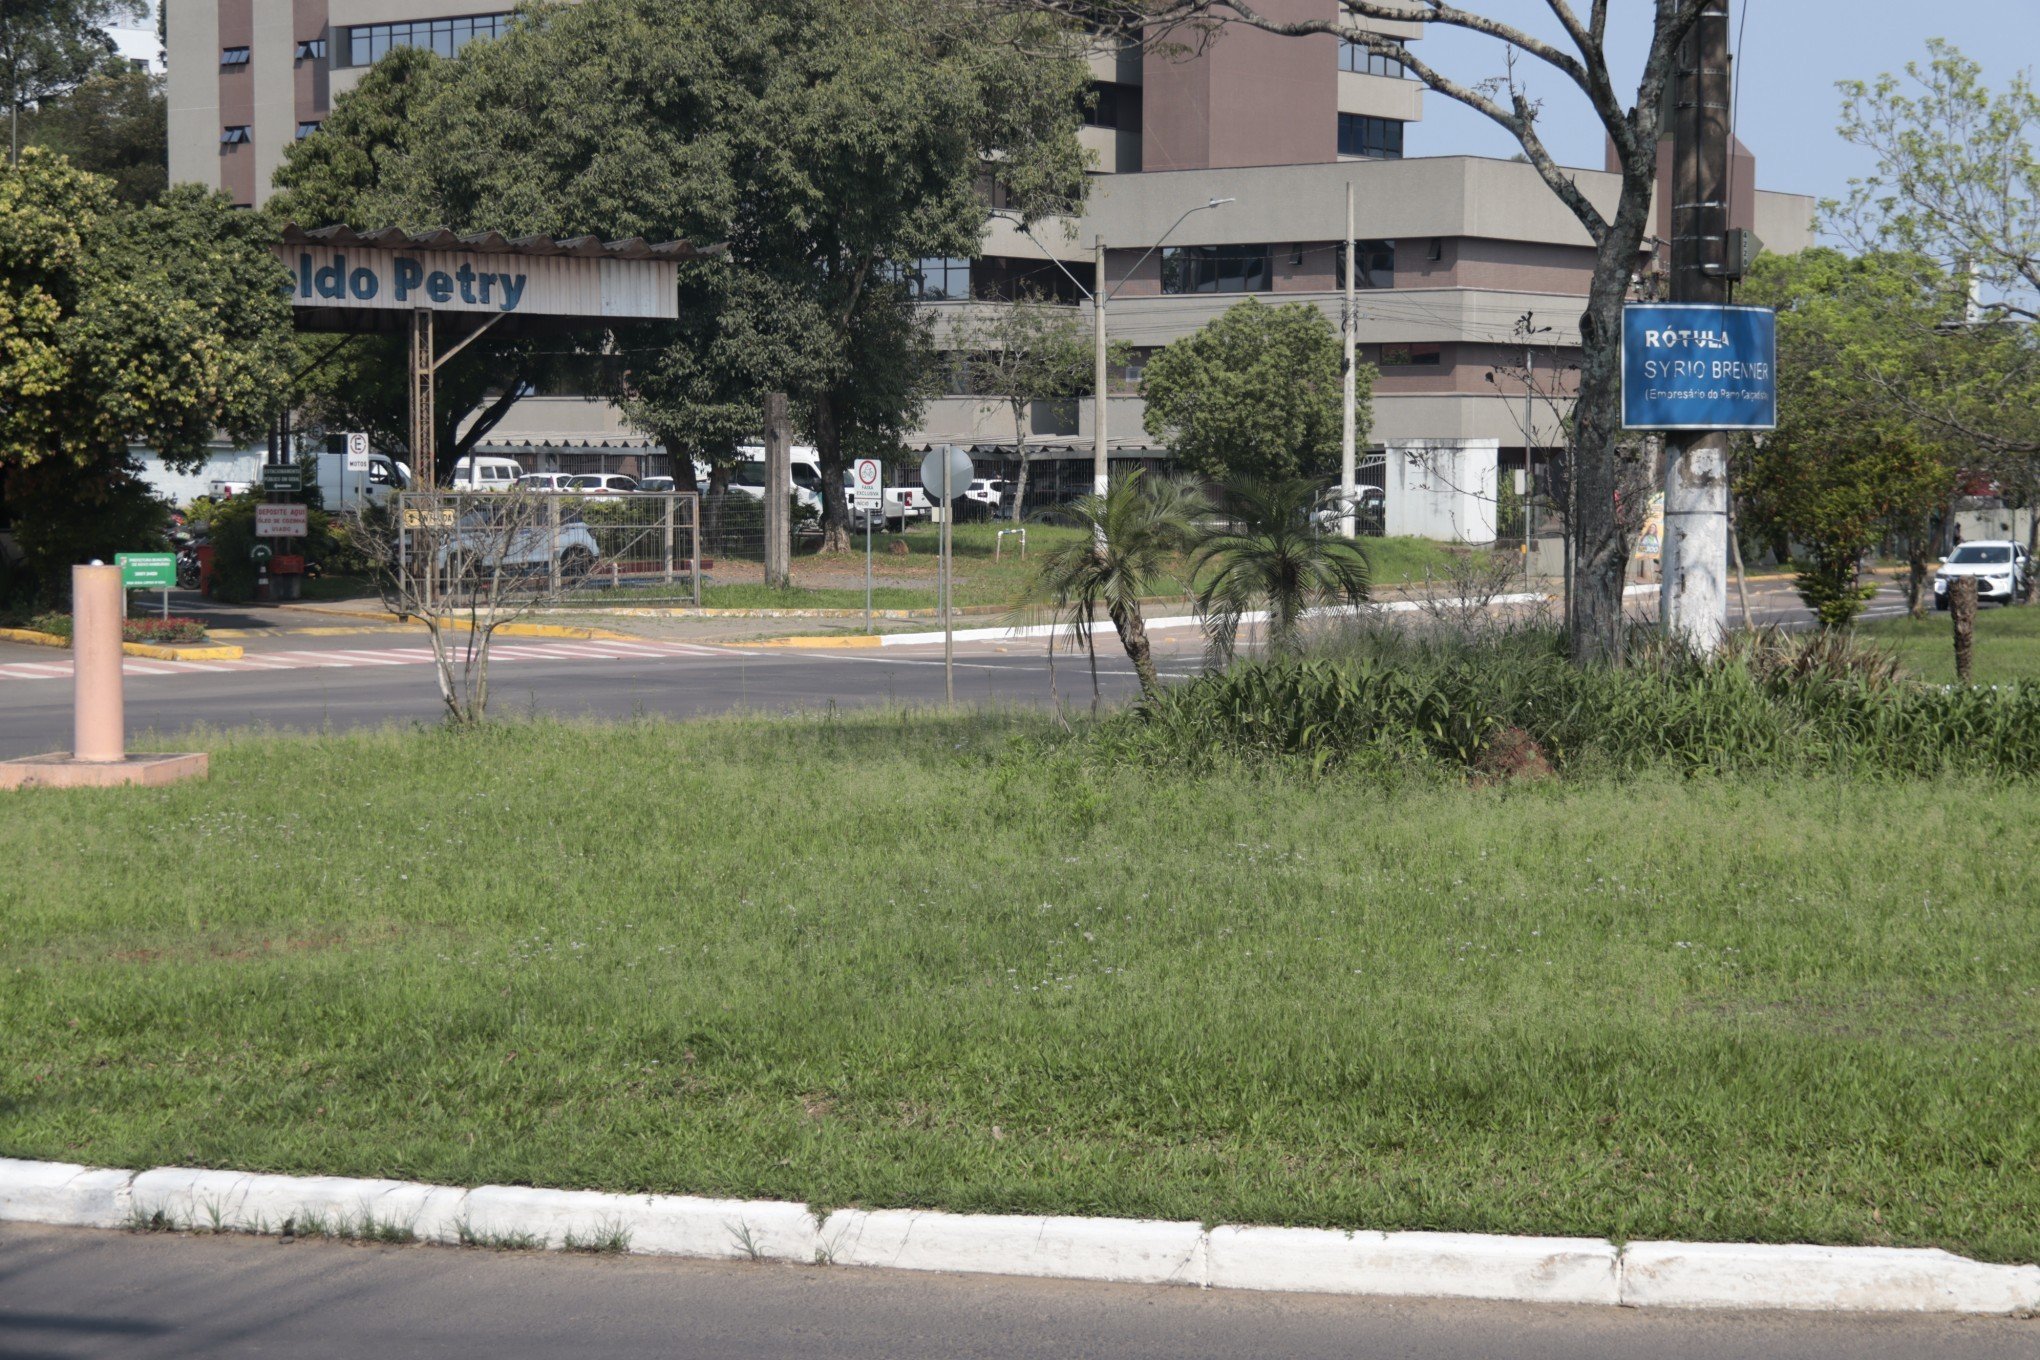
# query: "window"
[233,56]
[1102,108]
[1412,356]
[1437,250]
[938,279]
[1354,57]
[312,49]
[1216,269]
[1377,264]
[1970,554]
[1380,138]
[305,130]
[236,135]
[369,43]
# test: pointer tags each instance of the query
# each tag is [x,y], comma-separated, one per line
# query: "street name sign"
[281,477]
[280,521]
[867,483]
[147,571]
[1699,366]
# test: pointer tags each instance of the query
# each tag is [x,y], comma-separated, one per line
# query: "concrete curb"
[1304,1260]
[160,651]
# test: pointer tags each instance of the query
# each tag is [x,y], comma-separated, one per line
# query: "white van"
[747,474]
[486,474]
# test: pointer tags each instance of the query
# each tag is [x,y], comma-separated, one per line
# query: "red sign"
[287,564]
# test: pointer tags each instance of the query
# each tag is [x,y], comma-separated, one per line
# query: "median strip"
[158,651]
[1130,1251]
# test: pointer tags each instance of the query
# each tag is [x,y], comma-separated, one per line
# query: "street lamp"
[1098,295]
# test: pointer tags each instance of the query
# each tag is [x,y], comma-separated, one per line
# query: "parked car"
[747,474]
[1999,566]
[901,506]
[483,540]
[544,481]
[1367,506]
[982,498]
[486,474]
[658,486]
[602,484]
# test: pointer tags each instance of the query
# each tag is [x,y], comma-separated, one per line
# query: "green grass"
[2007,644]
[936,961]
[760,596]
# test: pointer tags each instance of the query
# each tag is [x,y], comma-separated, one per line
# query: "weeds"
[607,1238]
[467,1235]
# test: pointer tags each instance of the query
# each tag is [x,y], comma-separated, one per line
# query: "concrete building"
[1471,271]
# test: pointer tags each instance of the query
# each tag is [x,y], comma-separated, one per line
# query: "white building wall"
[1442,489]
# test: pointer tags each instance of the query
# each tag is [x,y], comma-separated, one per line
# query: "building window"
[305,130]
[1437,251]
[939,279]
[312,49]
[235,135]
[233,56]
[1379,138]
[1377,264]
[1216,269]
[1412,356]
[1354,57]
[1103,106]
[369,43]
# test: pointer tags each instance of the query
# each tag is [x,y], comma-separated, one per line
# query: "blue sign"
[1699,366]
[412,282]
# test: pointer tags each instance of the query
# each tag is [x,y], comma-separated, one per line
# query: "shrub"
[176,628]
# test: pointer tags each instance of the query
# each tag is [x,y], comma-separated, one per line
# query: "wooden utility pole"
[778,493]
[1693,592]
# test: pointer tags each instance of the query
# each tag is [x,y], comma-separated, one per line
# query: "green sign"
[281,477]
[261,552]
[147,571]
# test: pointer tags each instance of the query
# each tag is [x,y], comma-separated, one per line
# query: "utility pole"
[1100,474]
[1349,416]
[778,492]
[1693,594]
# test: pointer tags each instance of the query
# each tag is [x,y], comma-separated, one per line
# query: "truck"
[342,487]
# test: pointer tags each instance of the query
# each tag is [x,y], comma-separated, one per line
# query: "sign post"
[946,469]
[867,490]
[148,571]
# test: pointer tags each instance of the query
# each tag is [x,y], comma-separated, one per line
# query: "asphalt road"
[66,1294]
[365,688]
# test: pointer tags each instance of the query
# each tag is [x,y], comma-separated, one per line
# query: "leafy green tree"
[115,124]
[1266,551]
[49,46]
[1845,464]
[1137,531]
[1253,396]
[154,325]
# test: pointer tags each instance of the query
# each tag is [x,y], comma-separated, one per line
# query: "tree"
[1025,351]
[48,46]
[1608,469]
[1268,551]
[1135,534]
[154,325]
[1253,396]
[1845,464]
[830,143]
[116,124]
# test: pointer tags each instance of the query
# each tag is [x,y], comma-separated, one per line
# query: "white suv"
[1999,566]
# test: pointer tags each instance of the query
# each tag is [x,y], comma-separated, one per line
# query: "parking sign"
[357,451]
[867,483]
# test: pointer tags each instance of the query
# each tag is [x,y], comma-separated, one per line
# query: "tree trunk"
[1133,636]
[2032,548]
[828,436]
[1020,480]
[1916,575]
[1962,608]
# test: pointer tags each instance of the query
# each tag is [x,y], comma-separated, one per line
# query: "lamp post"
[1098,295]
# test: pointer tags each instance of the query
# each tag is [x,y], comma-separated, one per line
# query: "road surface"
[68,1294]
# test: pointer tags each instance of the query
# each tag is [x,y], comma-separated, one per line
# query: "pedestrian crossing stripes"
[326,658]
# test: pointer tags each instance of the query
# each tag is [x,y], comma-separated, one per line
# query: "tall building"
[1471,272]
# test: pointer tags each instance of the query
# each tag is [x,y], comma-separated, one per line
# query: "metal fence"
[454,547]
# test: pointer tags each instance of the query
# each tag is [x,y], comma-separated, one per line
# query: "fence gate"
[549,548]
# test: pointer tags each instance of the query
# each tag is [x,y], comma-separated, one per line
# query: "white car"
[986,491]
[602,484]
[900,506]
[658,486]
[544,481]
[1999,566]
[1366,507]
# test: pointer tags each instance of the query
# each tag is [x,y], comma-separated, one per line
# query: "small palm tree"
[1270,552]
[1137,531]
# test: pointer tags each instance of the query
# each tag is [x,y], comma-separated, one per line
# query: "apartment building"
[1471,272]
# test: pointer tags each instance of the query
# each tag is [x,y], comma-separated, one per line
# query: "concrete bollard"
[99,717]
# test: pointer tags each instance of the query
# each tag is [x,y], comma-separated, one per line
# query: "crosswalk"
[326,658]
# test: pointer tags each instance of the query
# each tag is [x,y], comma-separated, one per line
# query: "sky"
[1793,52]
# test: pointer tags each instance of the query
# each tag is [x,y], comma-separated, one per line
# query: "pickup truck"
[902,505]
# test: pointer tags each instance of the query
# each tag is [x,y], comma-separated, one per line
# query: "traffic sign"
[1698,366]
[357,451]
[281,477]
[280,521]
[147,571]
[958,465]
[867,483]
[261,552]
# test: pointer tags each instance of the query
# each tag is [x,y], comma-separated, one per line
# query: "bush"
[1383,700]
[174,629]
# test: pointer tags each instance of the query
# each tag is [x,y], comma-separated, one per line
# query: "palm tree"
[1269,551]
[1136,532]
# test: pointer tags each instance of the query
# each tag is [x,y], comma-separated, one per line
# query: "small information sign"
[281,477]
[147,571]
[1698,366]
[357,451]
[867,483]
[280,521]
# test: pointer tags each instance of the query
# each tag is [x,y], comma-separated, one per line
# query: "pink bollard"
[98,605]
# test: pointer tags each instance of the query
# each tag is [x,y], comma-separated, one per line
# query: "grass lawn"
[886,961]
[2007,644]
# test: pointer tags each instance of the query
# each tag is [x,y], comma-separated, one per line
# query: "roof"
[495,243]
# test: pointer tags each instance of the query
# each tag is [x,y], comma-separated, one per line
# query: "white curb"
[1436,1265]
[1311,1260]
[1123,1250]
[1021,632]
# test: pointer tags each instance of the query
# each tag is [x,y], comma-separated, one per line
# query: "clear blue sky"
[1793,53]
